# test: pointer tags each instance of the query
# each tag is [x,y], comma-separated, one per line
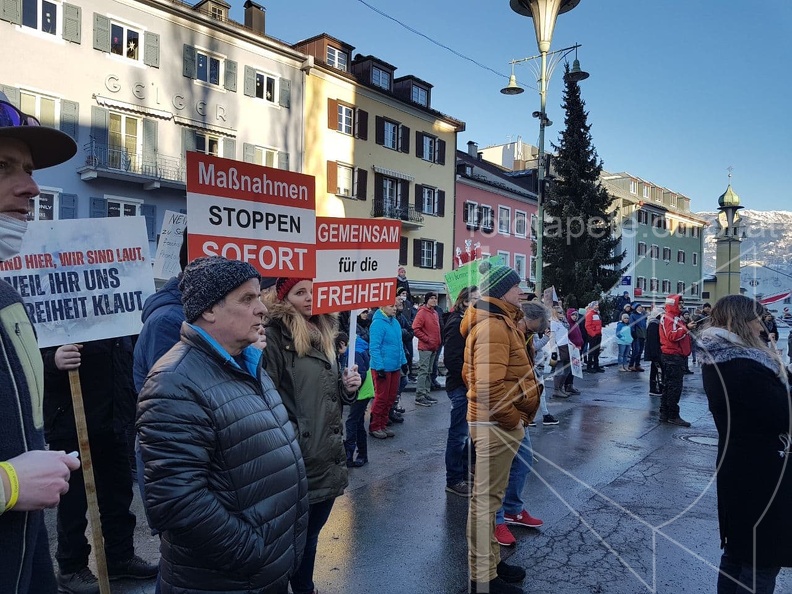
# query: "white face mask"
[11,233]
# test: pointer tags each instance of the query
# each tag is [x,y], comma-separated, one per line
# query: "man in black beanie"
[225,482]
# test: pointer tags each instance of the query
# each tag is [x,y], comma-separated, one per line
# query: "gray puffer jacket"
[225,483]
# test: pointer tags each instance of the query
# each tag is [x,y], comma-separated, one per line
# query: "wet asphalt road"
[628,505]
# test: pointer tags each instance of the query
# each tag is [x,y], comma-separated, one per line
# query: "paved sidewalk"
[629,505]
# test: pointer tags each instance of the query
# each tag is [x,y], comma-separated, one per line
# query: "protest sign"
[355,260]
[260,215]
[467,275]
[166,262]
[575,361]
[82,279]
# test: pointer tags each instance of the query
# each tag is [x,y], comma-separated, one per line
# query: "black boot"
[350,455]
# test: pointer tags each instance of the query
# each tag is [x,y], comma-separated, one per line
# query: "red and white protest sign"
[256,214]
[355,263]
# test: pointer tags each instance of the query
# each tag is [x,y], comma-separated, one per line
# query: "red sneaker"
[523,519]
[504,536]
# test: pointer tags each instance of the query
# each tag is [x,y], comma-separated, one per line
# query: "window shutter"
[361,124]
[285,93]
[230,76]
[332,177]
[419,144]
[11,92]
[69,118]
[438,255]
[404,142]
[150,212]
[403,242]
[378,190]
[403,196]
[68,206]
[98,208]
[440,152]
[417,252]
[11,11]
[379,130]
[99,117]
[151,49]
[229,148]
[332,114]
[250,81]
[150,146]
[190,61]
[101,33]
[188,140]
[283,161]
[464,211]
[440,203]
[248,152]
[418,197]
[72,23]
[361,182]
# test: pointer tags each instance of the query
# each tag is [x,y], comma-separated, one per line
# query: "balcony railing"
[389,210]
[149,165]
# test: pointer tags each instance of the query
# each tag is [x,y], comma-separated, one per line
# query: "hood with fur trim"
[717,346]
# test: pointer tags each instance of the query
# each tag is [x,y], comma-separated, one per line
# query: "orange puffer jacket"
[501,382]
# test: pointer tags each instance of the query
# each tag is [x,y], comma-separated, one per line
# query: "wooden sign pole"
[90,482]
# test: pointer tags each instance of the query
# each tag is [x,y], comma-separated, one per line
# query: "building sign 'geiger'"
[140,90]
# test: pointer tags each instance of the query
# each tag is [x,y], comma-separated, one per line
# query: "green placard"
[467,275]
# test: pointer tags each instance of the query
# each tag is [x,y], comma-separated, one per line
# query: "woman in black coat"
[748,392]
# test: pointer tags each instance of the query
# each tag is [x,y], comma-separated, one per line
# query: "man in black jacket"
[109,400]
[225,483]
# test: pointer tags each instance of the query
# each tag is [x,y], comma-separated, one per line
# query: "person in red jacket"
[594,331]
[426,327]
[675,348]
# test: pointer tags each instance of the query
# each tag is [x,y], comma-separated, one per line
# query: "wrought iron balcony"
[152,169]
[387,209]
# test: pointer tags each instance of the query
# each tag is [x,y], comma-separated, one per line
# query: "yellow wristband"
[13,479]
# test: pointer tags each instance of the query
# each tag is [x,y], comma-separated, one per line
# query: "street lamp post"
[544,14]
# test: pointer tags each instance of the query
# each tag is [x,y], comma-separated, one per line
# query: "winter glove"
[380,373]
[405,369]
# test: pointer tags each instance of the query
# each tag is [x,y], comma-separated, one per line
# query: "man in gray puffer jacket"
[225,483]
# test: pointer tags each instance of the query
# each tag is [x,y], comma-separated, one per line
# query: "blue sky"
[679,89]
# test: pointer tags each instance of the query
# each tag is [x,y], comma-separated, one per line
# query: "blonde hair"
[318,331]
[735,313]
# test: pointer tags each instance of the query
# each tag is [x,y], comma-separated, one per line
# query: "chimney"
[472,148]
[254,17]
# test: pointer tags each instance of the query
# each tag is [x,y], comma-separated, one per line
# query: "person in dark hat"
[31,477]
[225,482]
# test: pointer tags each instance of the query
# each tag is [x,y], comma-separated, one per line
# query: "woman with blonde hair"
[301,360]
[748,392]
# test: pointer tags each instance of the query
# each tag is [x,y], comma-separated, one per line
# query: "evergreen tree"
[579,249]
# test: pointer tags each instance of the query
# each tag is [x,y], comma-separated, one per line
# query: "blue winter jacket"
[162,319]
[638,324]
[623,333]
[385,343]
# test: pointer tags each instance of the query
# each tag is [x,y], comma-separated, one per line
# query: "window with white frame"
[694,289]
[666,285]
[695,232]
[420,95]
[633,187]
[505,256]
[695,258]
[41,15]
[680,287]
[44,207]
[654,285]
[266,87]
[520,223]
[641,248]
[487,218]
[125,41]
[430,201]
[208,144]
[470,215]
[265,156]
[337,58]
[534,226]
[346,118]
[673,200]
[504,219]
[391,140]
[532,267]
[681,229]
[667,254]
[428,254]
[519,265]
[380,78]
[345,179]
[654,253]
[122,207]
[208,67]
[44,109]
[217,12]
[646,192]
[391,195]
[680,256]
[640,283]
[428,148]
[643,217]
[125,141]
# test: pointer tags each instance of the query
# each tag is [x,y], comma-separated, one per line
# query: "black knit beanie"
[207,280]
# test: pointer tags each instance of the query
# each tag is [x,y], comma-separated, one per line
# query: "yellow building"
[378,150]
